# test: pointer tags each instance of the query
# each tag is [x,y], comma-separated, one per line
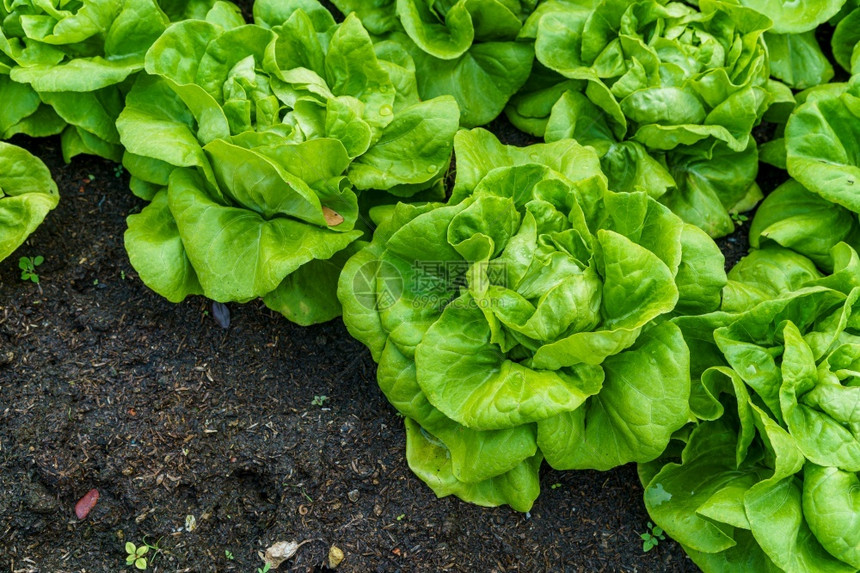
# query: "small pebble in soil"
[86,503]
[221,314]
[281,551]
[335,556]
[353,495]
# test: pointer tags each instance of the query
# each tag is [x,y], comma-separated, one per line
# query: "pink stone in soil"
[86,503]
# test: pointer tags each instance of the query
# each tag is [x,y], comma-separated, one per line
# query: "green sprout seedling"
[319,400]
[136,555]
[652,537]
[228,554]
[738,218]
[28,268]
[265,568]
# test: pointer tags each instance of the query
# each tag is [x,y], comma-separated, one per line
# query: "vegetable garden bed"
[572,234]
[109,387]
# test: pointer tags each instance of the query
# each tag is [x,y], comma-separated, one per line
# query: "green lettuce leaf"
[27,194]
[795,218]
[457,46]
[845,40]
[797,59]
[794,17]
[822,147]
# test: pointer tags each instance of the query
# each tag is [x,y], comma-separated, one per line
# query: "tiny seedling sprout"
[28,268]
[738,218]
[136,555]
[652,537]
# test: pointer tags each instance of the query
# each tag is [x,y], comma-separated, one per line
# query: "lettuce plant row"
[563,302]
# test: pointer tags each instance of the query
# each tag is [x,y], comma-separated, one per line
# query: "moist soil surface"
[212,444]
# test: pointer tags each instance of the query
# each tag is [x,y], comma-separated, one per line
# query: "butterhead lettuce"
[795,56]
[822,139]
[253,142]
[667,93]
[27,194]
[64,65]
[467,49]
[767,479]
[525,319]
